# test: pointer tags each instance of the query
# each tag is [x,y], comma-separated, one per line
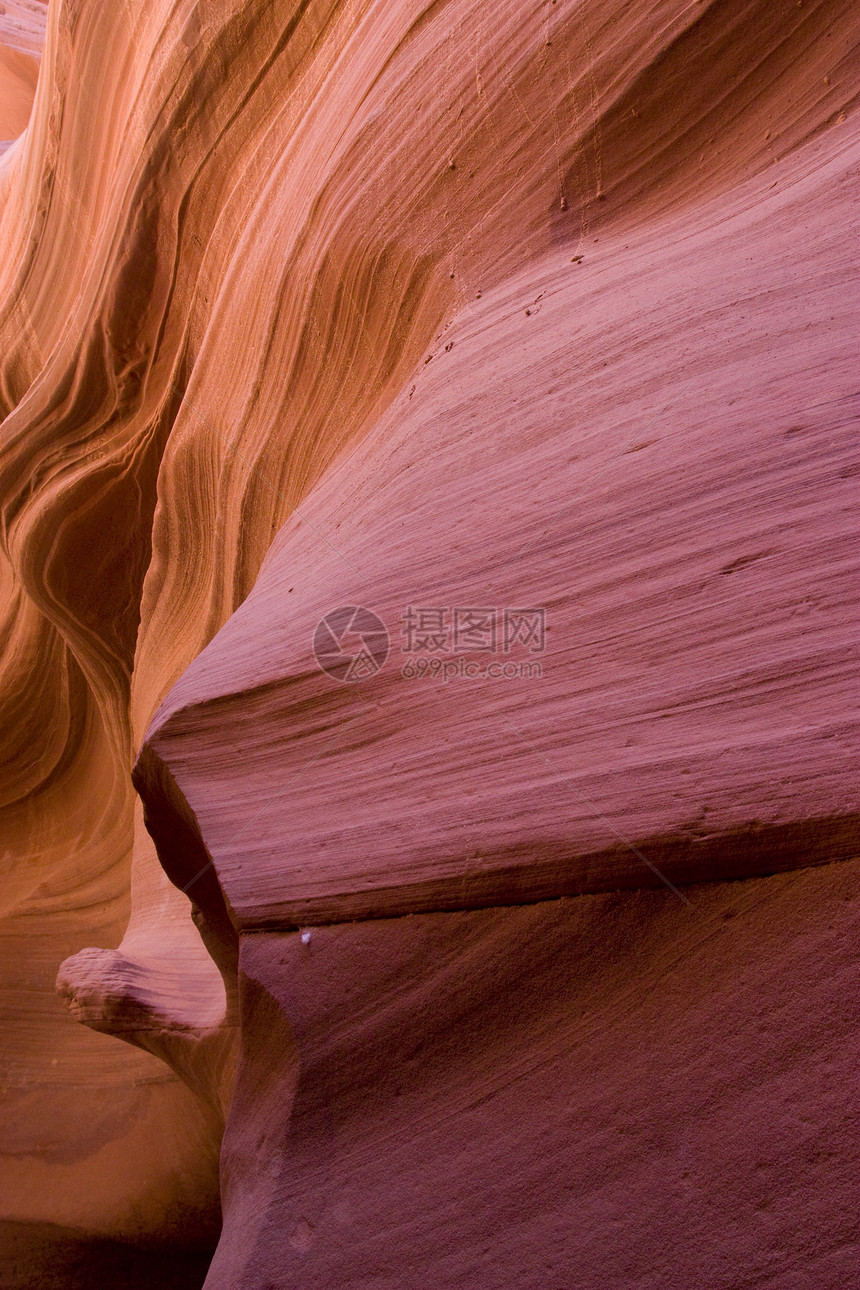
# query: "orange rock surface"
[417,307]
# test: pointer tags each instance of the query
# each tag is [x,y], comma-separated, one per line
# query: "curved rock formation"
[532,318]
[18,74]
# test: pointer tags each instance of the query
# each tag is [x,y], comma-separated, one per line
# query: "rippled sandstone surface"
[539,979]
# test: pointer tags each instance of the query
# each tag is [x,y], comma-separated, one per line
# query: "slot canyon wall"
[504,935]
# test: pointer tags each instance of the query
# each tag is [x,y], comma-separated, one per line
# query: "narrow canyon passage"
[428,651]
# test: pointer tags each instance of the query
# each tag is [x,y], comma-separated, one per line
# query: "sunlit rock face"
[514,937]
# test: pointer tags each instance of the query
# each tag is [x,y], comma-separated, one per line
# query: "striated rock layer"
[22,29]
[425,308]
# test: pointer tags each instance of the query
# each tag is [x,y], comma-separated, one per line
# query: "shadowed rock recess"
[429,587]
